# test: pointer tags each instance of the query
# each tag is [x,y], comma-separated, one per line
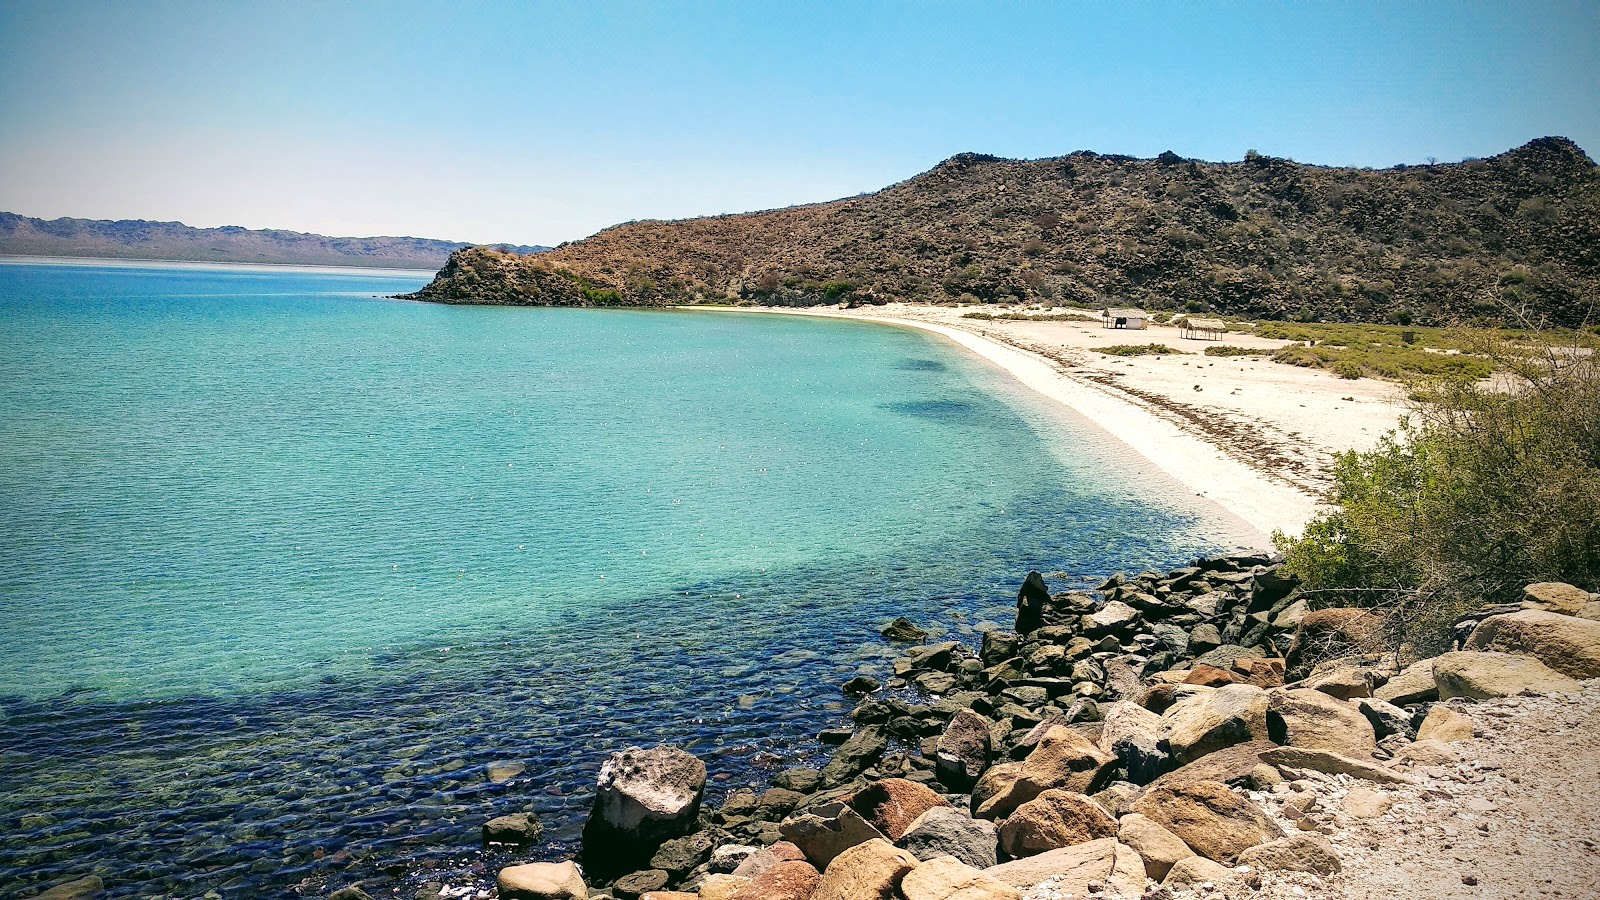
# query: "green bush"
[1345,368]
[1236,351]
[1138,350]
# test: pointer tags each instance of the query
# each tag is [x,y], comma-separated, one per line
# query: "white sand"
[1253,436]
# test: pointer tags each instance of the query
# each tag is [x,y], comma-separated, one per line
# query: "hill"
[139,239]
[1265,238]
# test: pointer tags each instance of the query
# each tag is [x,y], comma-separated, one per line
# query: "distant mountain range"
[139,239]
[1266,238]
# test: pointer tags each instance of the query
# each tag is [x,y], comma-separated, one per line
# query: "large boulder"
[1556,597]
[1318,721]
[644,798]
[1565,643]
[542,881]
[1158,847]
[1414,684]
[1063,759]
[892,804]
[1444,724]
[823,832]
[1214,821]
[1481,675]
[787,880]
[945,831]
[963,750]
[1052,820]
[1196,870]
[1231,765]
[1114,866]
[1204,722]
[869,871]
[1330,763]
[864,747]
[1135,736]
[1299,853]
[948,878]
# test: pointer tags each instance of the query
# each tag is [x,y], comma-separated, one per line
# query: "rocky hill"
[139,239]
[1265,238]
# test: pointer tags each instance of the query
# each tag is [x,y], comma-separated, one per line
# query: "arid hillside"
[1266,238]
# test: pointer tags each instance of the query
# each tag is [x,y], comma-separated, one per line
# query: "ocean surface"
[285,564]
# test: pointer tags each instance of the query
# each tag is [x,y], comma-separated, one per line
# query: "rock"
[996,782]
[679,855]
[936,682]
[801,781]
[963,750]
[864,748]
[787,880]
[728,857]
[860,686]
[775,803]
[1158,847]
[1031,601]
[1314,720]
[1113,617]
[1204,638]
[1565,643]
[998,646]
[637,884]
[823,832]
[1211,676]
[1264,778]
[1385,718]
[542,881]
[345,893]
[767,857]
[1263,673]
[943,831]
[1214,821]
[1117,798]
[1481,675]
[519,828]
[1206,722]
[86,888]
[1414,684]
[1297,853]
[722,887]
[1052,820]
[669,895]
[1135,736]
[948,878]
[1106,862]
[1444,724]
[1427,753]
[1366,803]
[1332,763]
[869,871]
[1231,765]
[1196,870]
[644,797]
[1343,682]
[1331,633]
[903,631]
[502,772]
[1557,597]
[892,804]
[1063,760]
[1228,655]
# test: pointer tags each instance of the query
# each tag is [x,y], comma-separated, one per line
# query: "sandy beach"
[1253,436]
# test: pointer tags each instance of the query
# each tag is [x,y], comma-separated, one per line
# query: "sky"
[542,123]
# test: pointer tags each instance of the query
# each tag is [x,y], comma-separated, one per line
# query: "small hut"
[1136,319]
[1204,329]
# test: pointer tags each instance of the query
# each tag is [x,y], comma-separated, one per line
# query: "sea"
[287,565]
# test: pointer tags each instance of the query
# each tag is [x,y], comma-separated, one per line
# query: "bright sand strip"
[1252,436]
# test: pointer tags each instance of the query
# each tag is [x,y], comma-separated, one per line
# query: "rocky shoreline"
[1202,729]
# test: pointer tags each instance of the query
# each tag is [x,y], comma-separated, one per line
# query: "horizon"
[543,125]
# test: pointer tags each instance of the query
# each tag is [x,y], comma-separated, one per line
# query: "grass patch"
[1139,350]
[1033,317]
[1237,351]
[1383,351]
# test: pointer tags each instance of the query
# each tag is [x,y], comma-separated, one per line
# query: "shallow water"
[286,564]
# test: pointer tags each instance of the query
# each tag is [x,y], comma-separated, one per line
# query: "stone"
[1481,675]
[1113,617]
[1211,676]
[801,781]
[1365,803]
[1204,638]
[775,803]
[948,878]
[1136,737]
[996,782]
[945,831]
[1414,684]
[345,893]
[1331,763]
[728,857]
[542,881]
[1444,724]
[1297,853]
[892,804]
[1384,717]
[1263,673]
[860,686]
[997,647]
[644,798]
[1032,598]
[1343,682]
[1206,722]
[903,631]
[963,750]
[1112,865]
[1158,847]
[1052,820]
[1214,821]
[1556,597]
[787,880]
[519,828]
[637,884]
[502,772]
[823,832]
[869,871]
[1313,720]
[1427,753]
[719,886]
[1063,759]
[679,855]
[936,682]
[864,748]
[1565,643]
[1196,870]
[767,857]
[1331,633]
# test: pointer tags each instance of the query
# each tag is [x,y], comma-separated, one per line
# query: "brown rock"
[722,887]
[669,895]
[1479,676]
[1265,673]
[1299,853]
[1106,862]
[1414,684]
[1565,643]
[1214,821]
[1343,682]
[1444,724]
[1556,597]
[767,857]
[787,880]
[823,832]
[892,804]
[1062,760]
[1206,722]
[1231,765]
[542,881]
[1427,753]
[1332,763]
[1196,870]
[637,884]
[963,750]
[1052,820]
[869,871]
[1365,803]
[1211,676]
[948,878]
[1158,847]
[1314,720]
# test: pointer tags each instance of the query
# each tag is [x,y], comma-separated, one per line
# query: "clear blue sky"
[541,123]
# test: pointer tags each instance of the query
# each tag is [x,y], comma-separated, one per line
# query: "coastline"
[1268,474]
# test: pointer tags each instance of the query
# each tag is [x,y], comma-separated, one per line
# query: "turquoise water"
[270,526]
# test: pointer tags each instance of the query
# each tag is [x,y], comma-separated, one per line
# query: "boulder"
[1117,798]
[1206,722]
[542,881]
[860,685]
[945,831]
[1427,753]
[1317,721]
[1115,616]
[892,804]
[1214,821]
[1232,765]
[1481,675]
[767,857]
[636,884]
[1385,718]
[644,798]
[1414,684]
[903,631]
[1134,735]
[963,750]
[729,857]
[997,647]
[721,887]
[1330,633]
[1444,724]
[1204,638]
[1343,682]
[1114,866]
[869,871]
[519,828]
[1565,643]
[1052,820]
[823,832]
[1158,847]
[787,880]
[1556,597]
[1297,853]
[1211,676]
[1196,870]
[996,782]
[679,855]
[1264,673]
[1331,763]
[1032,598]
[948,878]
[1063,759]
[864,748]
